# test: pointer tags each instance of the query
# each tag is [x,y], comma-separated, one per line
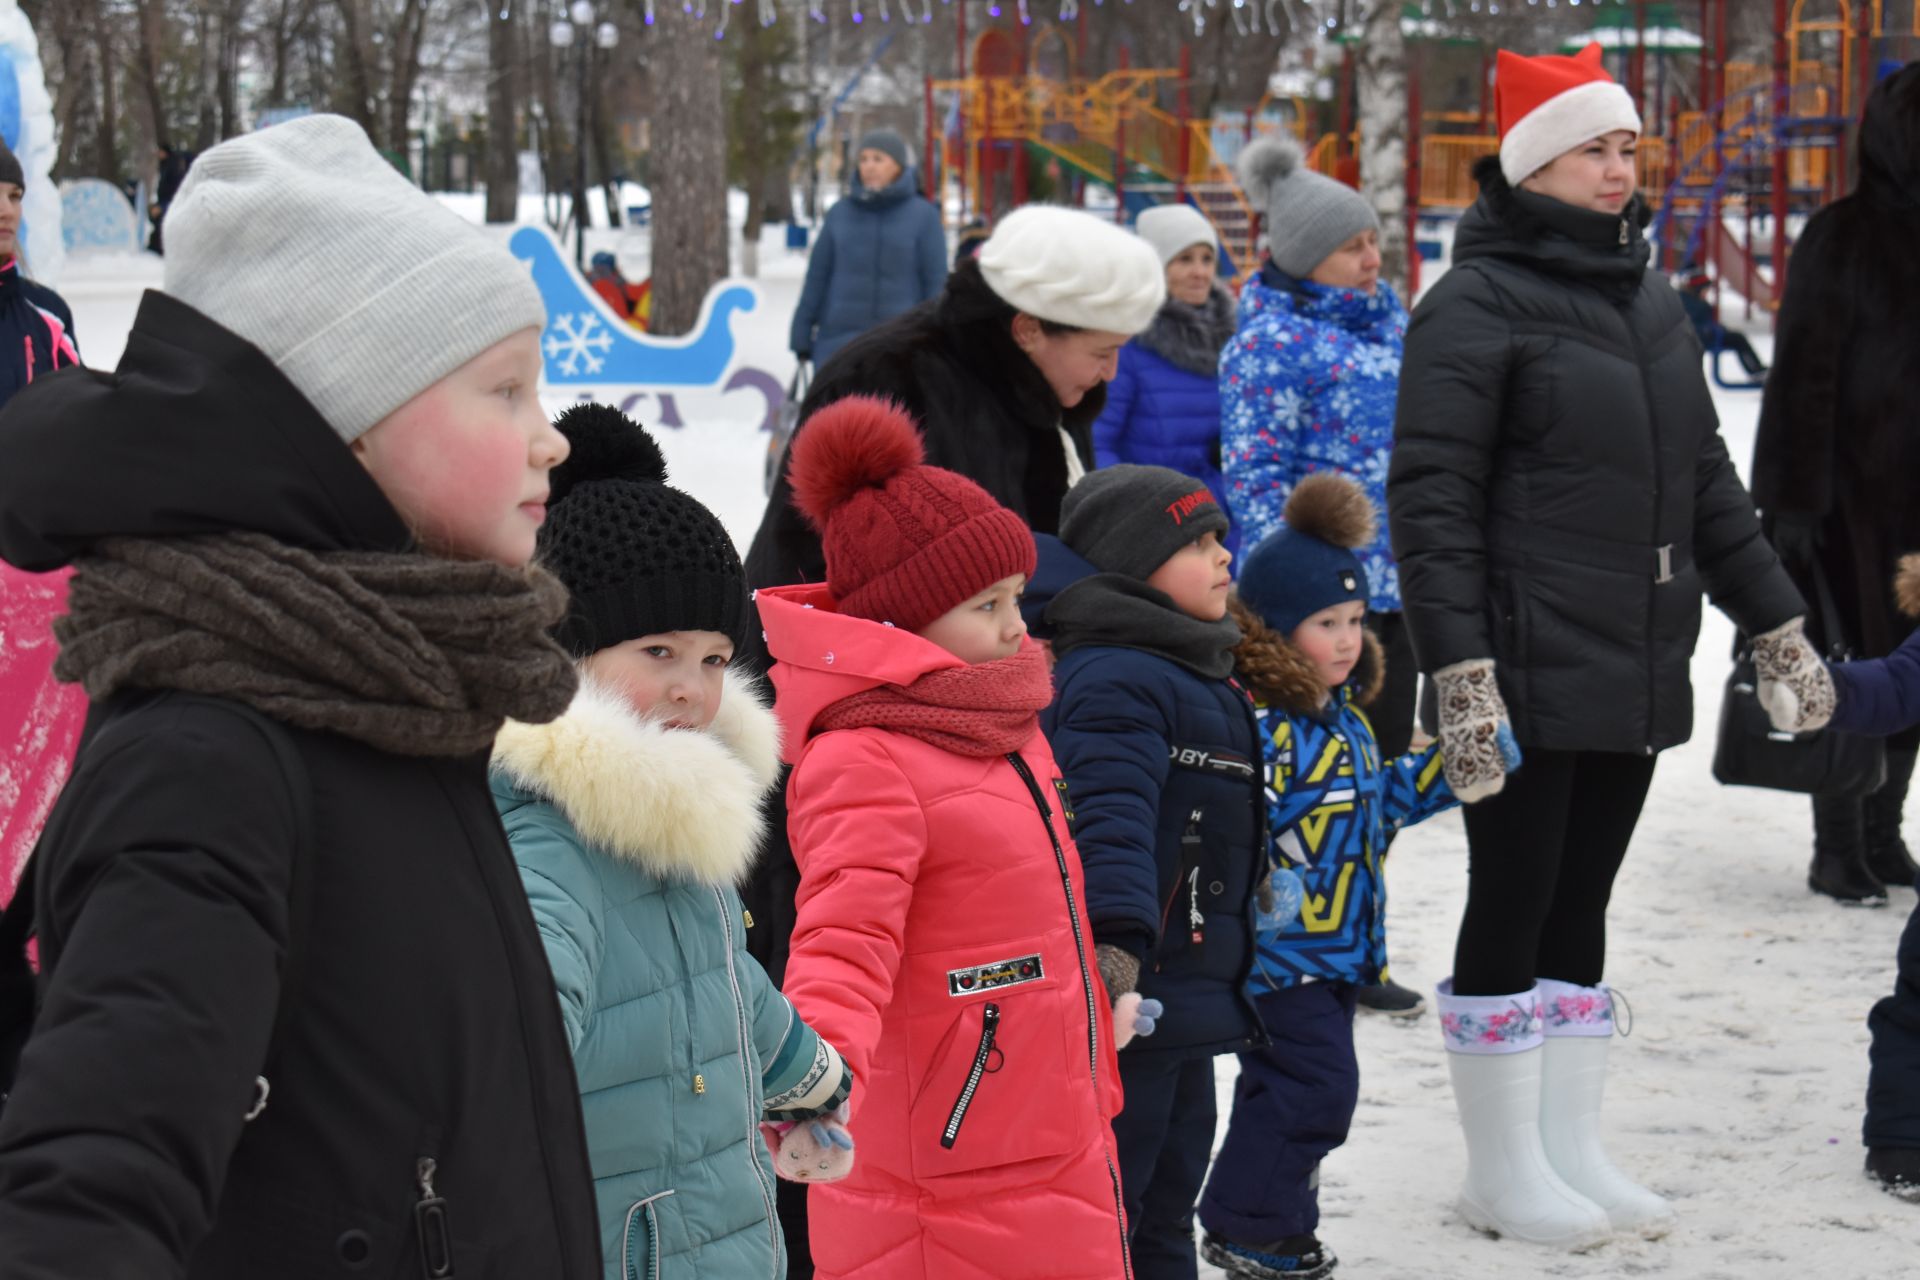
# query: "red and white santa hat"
[1551,104]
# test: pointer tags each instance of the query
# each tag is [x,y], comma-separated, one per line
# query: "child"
[632,817]
[295,1018]
[1161,756]
[1333,805]
[940,942]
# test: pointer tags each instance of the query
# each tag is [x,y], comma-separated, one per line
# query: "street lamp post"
[579,29]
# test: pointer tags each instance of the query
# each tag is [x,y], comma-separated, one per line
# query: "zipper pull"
[1190,855]
[430,1225]
[1623,232]
[699,1084]
[746,916]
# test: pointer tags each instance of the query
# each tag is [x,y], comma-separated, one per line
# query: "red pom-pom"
[857,443]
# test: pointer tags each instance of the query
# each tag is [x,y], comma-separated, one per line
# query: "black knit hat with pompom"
[638,556]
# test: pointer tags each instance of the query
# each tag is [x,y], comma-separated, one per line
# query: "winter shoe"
[1391,999]
[1888,859]
[1300,1257]
[1839,867]
[1896,1170]
[1495,1056]
[1573,1075]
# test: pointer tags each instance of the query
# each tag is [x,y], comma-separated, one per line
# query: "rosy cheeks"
[458,473]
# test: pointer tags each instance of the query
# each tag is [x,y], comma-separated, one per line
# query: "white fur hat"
[1172,229]
[1074,268]
[364,290]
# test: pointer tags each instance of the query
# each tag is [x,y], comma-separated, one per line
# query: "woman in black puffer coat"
[1559,497]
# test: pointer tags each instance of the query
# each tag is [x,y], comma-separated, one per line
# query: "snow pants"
[1893,1074]
[1292,1105]
[1165,1134]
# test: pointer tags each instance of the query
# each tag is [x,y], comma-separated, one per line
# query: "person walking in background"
[882,250]
[1307,384]
[1559,495]
[171,169]
[1838,448]
[1163,406]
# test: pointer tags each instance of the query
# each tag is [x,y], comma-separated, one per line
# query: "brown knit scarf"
[408,653]
[987,709]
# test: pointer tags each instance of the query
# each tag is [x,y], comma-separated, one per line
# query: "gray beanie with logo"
[1129,519]
[361,288]
[1308,214]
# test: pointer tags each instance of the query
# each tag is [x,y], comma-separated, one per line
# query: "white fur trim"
[679,803]
[1563,122]
[1071,267]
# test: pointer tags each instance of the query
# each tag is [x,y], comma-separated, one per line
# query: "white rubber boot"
[1495,1055]
[1579,1031]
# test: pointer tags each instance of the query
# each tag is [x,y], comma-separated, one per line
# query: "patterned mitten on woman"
[1477,747]
[1794,685]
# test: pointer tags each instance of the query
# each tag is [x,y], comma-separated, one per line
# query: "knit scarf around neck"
[1113,609]
[409,653]
[987,709]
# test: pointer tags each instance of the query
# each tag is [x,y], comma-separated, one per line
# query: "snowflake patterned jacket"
[1333,805]
[1308,384]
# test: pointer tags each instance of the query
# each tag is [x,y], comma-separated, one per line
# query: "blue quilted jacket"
[880,253]
[1308,384]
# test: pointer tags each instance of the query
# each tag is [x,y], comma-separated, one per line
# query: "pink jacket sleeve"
[858,835]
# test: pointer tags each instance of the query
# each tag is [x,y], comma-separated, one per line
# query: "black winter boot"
[1839,855]
[1300,1257]
[1887,855]
[1897,1170]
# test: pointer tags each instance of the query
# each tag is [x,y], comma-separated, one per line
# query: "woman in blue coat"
[1163,406]
[882,251]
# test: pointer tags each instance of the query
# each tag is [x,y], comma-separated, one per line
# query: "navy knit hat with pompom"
[638,557]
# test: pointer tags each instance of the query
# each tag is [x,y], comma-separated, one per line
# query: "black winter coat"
[206,866]
[1559,492]
[36,332]
[984,411]
[1839,442]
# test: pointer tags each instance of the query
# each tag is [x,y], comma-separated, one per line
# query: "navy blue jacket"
[36,331]
[1163,770]
[879,253]
[1879,696]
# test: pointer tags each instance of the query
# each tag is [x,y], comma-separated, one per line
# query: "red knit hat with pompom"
[905,542]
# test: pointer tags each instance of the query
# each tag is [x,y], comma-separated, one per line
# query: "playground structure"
[1734,153]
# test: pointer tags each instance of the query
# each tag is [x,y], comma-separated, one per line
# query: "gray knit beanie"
[1309,215]
[889,143]
[364,291]
[1130,519]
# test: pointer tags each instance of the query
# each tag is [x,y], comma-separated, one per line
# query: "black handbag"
[1750,752]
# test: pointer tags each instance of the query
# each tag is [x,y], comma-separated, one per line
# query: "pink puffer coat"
[942,945]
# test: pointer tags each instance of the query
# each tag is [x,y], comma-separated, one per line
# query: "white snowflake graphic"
[574,339]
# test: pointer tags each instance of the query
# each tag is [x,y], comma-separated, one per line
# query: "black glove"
[803,354]
[1795,539]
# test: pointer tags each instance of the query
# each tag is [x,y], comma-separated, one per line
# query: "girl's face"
[674,678]
[1332,640]
[12,200]
[1072,363]
[985,627]
[1196,578]
[1354,265]
[877,169]
[1598,175]
[465,462]
[1190,275]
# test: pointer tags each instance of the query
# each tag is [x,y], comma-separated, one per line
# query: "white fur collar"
[678,803]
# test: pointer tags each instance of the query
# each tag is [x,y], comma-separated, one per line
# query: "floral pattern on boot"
[1571,1010]
[1490,1024]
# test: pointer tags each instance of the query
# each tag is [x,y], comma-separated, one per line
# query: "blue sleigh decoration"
[587,345]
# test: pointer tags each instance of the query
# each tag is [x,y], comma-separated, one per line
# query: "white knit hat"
[1172,229]
[1073,268]
[364,291]
[1553,103]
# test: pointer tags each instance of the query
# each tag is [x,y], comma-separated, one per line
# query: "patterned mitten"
[1794,685]
[1477,748]
[817,1150]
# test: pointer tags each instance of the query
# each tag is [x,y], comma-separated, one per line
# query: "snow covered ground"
[1738,1094]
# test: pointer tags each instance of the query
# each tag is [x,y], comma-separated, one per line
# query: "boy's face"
[675,677]
[12,197]
[1332,639]
[1196,577]
[465,462]
[985,627]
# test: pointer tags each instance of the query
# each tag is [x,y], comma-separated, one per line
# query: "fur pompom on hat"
[1551,104]
[1072,268]
[1308,564]
[1308,215]
[638,557]
[904,541]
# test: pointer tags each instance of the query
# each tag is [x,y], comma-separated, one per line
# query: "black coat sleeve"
[1793,453]
[1743,575]
[1447,427]
[164,889]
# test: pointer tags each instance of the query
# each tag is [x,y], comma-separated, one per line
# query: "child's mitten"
[816,1150]
[1133,1016]
[1279,898]
[1477,747]
[1793,684]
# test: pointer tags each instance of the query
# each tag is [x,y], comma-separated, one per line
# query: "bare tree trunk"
[357,43]
[107,138]
[227,87]
[1382,74]
[690,168]
[503,111]
[409,32]
[206,57]
[151,18]
[602,135]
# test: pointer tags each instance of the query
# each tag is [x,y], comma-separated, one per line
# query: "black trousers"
[1164,1133]
[1392,712]
[1893,1076]
[1541,858]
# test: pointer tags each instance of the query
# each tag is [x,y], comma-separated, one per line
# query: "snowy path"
[1738,1094]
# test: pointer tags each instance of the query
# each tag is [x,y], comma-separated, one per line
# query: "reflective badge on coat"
[995,976]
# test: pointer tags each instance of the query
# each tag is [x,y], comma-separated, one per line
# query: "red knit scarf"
[988,709]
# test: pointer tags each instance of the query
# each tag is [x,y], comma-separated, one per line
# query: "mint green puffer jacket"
[630,838]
